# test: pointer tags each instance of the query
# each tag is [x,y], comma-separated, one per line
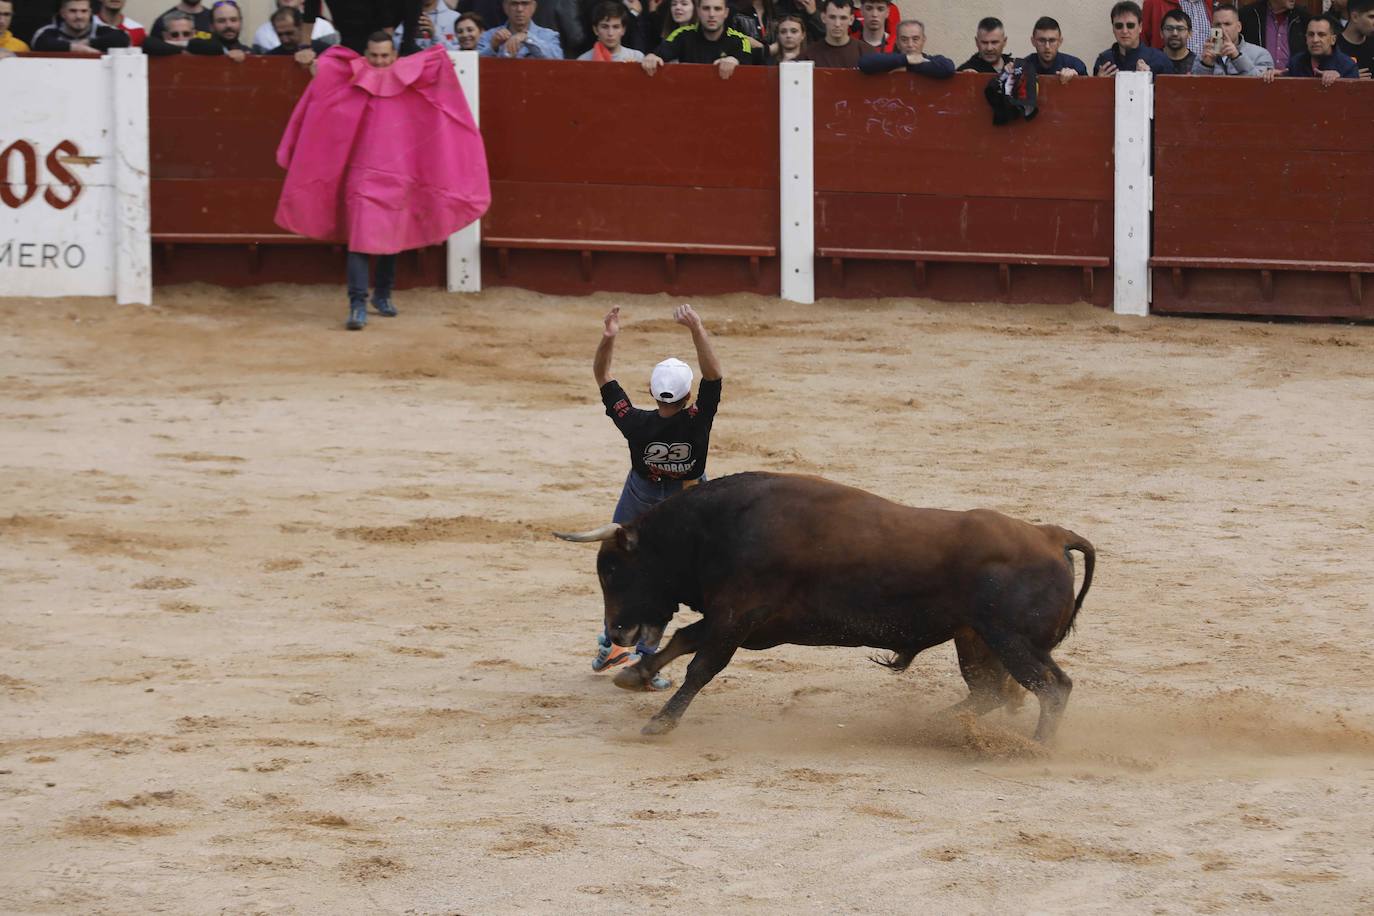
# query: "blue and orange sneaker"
[609,655]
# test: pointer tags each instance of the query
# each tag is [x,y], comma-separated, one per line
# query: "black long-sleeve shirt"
[100,37]
[357,19]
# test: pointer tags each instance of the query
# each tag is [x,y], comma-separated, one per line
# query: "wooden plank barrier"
[1263,198]
[918,193]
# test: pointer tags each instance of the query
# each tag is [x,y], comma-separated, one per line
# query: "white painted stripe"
[465,246]
[796,187]
[133,261]
[1134,193]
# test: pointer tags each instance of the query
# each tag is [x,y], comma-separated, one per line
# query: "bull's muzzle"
[604,533]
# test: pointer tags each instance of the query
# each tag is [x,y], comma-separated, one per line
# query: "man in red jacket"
[1199,11]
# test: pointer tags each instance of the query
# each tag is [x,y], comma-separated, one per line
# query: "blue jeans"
[357,277]
[638,496]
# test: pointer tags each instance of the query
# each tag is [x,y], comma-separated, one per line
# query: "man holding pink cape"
[360,154]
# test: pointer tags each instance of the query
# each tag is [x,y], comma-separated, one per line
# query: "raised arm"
[687,316]
[601,365]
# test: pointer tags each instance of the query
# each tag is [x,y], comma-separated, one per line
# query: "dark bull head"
[639,603]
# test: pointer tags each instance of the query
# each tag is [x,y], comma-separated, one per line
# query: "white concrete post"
[465,246]
[133,266]
[796,185]
[1135,108]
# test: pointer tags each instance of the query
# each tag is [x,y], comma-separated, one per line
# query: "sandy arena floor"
[284,629]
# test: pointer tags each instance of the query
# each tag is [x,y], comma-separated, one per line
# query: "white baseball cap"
[671,381]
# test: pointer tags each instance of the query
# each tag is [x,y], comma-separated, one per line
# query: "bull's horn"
[604,533]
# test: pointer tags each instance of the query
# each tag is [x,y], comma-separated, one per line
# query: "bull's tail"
[1082,545]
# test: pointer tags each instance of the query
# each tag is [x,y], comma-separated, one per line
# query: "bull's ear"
[627,539]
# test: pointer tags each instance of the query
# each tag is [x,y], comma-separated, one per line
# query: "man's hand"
[1329,77]
[1270,75]
[1366,73]
[634,6]
[1067,74]
[81,47]
[1209,55]
[1107,69]
[500,36]
[611,323]
[726,66]
[425,26]
[1142,67]
[236,55]
[305,57]
[808,6]
[687,316]
[512,44]
[915,58]
[651,63]
[1229,50]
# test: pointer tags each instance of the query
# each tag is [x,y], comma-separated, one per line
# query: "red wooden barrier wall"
[1264,199]
[606,178]
[917,193]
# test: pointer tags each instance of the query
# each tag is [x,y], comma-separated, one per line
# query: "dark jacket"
[154,46]
[1253,20]
[976,64]
[213,46]
[934,66]
[101,37]
[1301,64]
[1125,61]
[562,16]
[1061,62]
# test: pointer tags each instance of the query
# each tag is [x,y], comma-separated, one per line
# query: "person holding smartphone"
[1228,53]
[1129,53]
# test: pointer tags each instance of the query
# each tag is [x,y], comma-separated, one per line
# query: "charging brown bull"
[768,559]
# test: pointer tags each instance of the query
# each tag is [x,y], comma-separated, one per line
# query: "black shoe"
[385,307]
[357,317]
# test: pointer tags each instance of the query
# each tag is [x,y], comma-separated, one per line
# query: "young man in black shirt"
[706,41]
[667,445]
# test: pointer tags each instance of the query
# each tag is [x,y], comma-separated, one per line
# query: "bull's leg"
[712,656]
[984,674]
[1038,673]
[684,642]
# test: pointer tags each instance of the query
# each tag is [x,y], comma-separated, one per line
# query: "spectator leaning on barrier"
[438,25]
[178,29]
[991,41]
[839,48]
[609,26]
[1047,38]
[1357,40]
[111,13]
[790,33]
[707,41]
[77,32]
[8,43]
[1278,26]
[873,29]
[1178,29]
[469,31]
[226,21]
[1152,20]
[1233,55]
[1128,53]
[199,13]
[265,38]
[518,36]
[1322,59]
[293,40]
[910,54]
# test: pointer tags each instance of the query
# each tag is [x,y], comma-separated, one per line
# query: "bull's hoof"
[631,678]
[658,726]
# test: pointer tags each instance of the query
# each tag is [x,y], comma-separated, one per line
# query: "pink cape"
[384,160]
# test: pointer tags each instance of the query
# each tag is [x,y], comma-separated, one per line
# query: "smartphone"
[1217,40]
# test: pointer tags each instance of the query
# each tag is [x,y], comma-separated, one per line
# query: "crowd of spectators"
[1265,38]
